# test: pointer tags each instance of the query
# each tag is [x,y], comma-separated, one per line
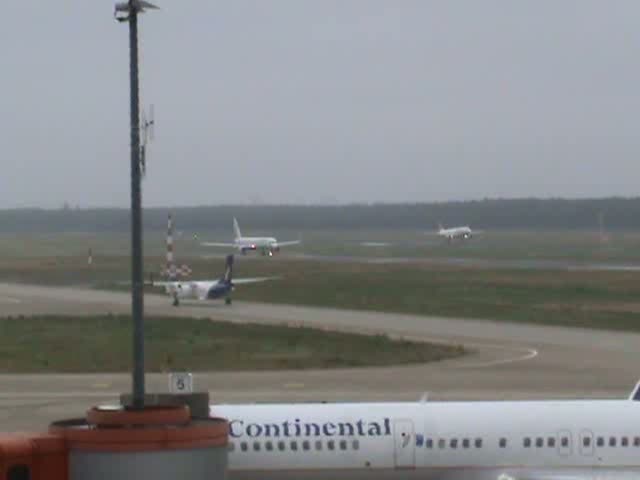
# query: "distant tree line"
[613,213]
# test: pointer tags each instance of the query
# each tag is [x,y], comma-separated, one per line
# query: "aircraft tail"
[440,227]
[228,273]
[635,394]
[171,271]
[236,229]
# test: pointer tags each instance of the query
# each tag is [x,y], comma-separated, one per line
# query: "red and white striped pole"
[170,268]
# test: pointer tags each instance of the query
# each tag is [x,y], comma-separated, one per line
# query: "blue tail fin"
[635,395]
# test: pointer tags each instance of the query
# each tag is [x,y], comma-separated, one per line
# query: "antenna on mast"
[147,130]
[124,10]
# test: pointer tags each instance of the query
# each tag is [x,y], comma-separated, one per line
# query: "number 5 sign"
[180,382]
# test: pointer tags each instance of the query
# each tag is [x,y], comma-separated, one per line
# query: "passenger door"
[404,443]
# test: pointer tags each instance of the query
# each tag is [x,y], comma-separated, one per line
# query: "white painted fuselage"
[461,233]
[189,290]
[266,245]
[450,440]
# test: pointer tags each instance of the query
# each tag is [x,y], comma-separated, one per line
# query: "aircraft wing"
[241,281]
[551,474]
[547,476]
[166,283]
[375,244]
[217,244]
[289,242]
[146,283]
[200,283]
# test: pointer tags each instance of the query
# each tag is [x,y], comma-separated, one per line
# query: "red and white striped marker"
[171,271]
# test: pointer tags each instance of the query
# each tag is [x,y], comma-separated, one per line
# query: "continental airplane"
[503,440]
[266,245]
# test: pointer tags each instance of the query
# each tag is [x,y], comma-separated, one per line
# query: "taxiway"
[508,360]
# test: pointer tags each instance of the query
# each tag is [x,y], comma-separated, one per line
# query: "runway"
[508,360]
[526,264]
[484,263]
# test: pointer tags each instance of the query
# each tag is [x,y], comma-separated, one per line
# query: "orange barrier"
[151,429]
[150,416]
[126,442]
[163,443]
[37,456]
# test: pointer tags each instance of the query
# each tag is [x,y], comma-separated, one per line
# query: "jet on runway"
[455,233]
[266,245]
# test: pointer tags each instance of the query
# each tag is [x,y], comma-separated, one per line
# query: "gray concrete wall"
[196,464]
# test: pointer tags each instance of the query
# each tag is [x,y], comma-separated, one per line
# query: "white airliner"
[266,245]
[456,233]
[503,440]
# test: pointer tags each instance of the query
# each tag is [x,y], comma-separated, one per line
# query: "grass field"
[579,246]
[597,299]
[606,300]
[102,344]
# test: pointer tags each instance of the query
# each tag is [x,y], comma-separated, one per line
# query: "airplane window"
[503,442]
[636,441]
[551,442]
[256,446]
[612,441]
[343,444]
[331,445]
[318,444]
[478,443]
[586,441]
[232,446]
[441,443]
[429,443]
[294,446]
[539,442]
[600,441]
[466,443]
[453,443]
[527,442]
[356,444]
[564,441]
[624,441]
[306,445]
[244,447]
[281,446]
[268,446]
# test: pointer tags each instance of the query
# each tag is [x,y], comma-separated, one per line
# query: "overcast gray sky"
[301,101]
